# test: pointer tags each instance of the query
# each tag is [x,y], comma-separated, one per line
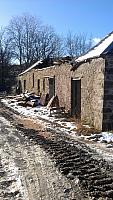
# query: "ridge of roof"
[31,67]
[97,50]
[101,41]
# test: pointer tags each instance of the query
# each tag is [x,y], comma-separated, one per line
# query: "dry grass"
[86,131]
[31,124]
[82,128]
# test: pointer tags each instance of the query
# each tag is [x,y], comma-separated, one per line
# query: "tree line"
[27,40]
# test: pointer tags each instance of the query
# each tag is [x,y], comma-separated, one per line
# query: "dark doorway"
[19,88]
[76,98]
[38,86]
[24,85]
[51,87]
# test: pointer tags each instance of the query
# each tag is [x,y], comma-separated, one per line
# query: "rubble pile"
[28,99]
[32,100]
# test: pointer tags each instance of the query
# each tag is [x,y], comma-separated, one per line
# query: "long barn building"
[84,85]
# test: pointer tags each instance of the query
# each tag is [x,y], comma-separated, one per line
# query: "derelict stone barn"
[84,86]
[98,90]
[53,77]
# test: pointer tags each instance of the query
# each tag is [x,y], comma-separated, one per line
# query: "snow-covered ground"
[103,137]
[40,112]
[101,142]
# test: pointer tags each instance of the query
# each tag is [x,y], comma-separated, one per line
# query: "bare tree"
[5,50]
[23,32]
[77,45]
[49,44]
[31,41]
[58,47]
[15,31]
[31,32]
[5,57]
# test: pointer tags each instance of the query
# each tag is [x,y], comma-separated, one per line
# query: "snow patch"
[103,137]
[106,137]
[97,50]
[41,112]
[6,122]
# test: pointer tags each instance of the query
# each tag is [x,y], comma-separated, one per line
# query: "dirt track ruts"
[77,162]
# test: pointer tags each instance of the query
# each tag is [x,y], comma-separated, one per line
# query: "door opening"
[51,87]
[76,98]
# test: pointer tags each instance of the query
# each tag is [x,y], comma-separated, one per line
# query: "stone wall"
[92,91]
[62,75]
[92,87]
[28,77]
[108,94]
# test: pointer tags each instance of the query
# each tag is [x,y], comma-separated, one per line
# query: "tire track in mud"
[28,171]
[76,161]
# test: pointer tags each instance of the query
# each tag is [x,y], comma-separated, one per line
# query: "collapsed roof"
[46,63]
[32,67]
[105,46]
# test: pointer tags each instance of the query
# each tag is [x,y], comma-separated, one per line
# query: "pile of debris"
[28,99]
[31,99]
[54,107]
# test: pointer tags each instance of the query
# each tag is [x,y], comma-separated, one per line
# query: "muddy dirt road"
[47,165]
[26,170]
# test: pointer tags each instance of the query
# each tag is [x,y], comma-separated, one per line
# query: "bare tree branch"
[77,45]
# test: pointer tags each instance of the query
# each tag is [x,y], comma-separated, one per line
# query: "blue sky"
[89,16]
